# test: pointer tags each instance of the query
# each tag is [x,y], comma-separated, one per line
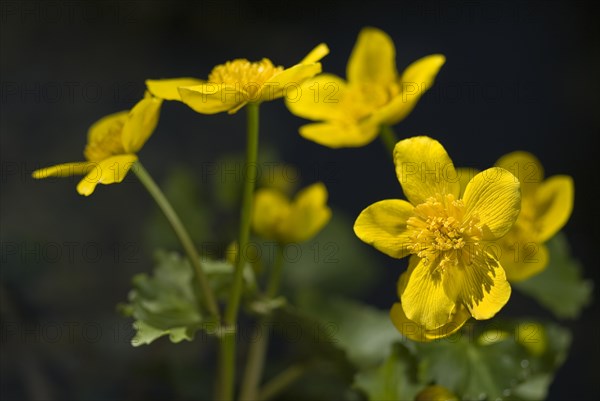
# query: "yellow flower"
[351,113]
[436,393]
[113,142]
[232,85]
[530,335]
[274,217]
[453,272]
[546,207]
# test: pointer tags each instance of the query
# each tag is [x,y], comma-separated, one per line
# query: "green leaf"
[146,334]
[220,276]
[347,335]
[505,361]
[316,338]
[167,303]
[395,379]
[560,287]
[363,332]
[544,366]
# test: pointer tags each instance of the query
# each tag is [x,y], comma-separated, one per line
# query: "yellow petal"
[140,124]
[418,332]
[523,259]
[493,196]
[526,167]
[423,71]
[383,225]
[465,174]
[316,54]
[425,300]
[167,89]
[373,59]
[108,171]
[339,134]
[554,204]
[424,169]
[270,209]
[481,282]
[533,337]
[319,98]
[63,170]
[309,214]
[211,98]
[415,81]
[436,393]
[106,126]
[288,81]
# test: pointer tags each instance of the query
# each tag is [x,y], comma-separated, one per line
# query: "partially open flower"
[113,142]
[277,218]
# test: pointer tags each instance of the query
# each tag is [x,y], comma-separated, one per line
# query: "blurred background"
[519,75]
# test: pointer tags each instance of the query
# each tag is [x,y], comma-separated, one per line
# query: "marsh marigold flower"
[277,218]
[232,85]
[113,142]
[453,274]
[351,113]
[436,393]
[546,206]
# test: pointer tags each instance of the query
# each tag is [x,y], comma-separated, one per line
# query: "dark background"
[519,75]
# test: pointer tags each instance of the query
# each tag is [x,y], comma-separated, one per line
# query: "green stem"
[183,236]
[257,352]
[226,365]
[228,350]
[389,139]
[280,382]
[246,214]
[275,277]
[255,362]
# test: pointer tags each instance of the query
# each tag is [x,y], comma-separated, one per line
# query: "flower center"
[439,229]
[245,75]
[108,143]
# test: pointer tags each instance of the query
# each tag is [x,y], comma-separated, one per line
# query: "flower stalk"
[227,359]
[389,139]
[183,236]
[258,349]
